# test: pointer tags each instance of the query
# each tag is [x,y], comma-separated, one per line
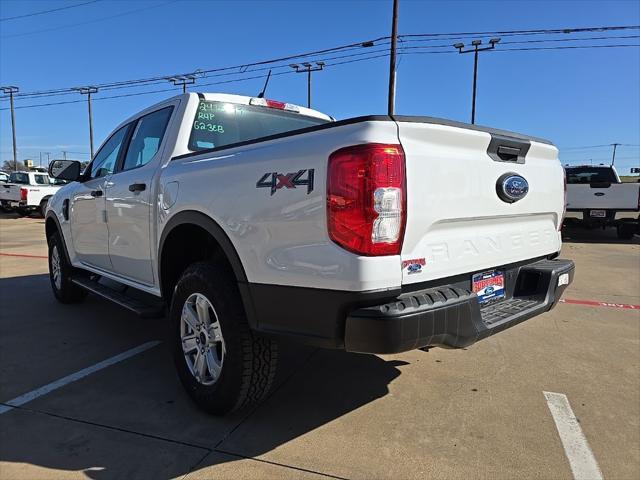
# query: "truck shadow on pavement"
[576,234]
[133,419]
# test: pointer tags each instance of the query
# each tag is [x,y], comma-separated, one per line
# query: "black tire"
[43,207]
[626,230]
[64,290]
[249,362]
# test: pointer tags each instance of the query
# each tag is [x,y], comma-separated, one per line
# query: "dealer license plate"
[489,286]
[598,213]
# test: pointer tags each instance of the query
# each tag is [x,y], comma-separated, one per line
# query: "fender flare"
[51,215]
[207,223]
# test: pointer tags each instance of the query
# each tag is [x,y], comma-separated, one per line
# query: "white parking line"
[38,392]
[576,448]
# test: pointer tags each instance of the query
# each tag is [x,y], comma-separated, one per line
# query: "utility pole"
[391,106]
[64,154]
[613,158]
[88,91]
[40,162]
[308,68]
[183,80]
[476,44]
[10,91]
[48,161]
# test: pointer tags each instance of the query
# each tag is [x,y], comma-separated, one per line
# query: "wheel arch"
[51,227]
[180,226]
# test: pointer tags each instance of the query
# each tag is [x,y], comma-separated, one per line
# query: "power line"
[368,54]
[64,27]
[164,90]
[506,33]
[535,48]
[6,19]
[599,146]
[370,57]
[343,48]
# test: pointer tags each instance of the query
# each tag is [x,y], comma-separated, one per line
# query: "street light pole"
[476,49]
[10,91]
[613,158]
[183,80]
[308,68]
[475,83]
[391,102]
[88,91]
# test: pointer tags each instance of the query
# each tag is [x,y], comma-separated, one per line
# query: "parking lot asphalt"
[479,412]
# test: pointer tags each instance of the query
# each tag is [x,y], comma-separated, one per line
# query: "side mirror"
[65,170]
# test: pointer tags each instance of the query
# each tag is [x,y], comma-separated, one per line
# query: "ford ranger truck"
[596,197]
[245,220]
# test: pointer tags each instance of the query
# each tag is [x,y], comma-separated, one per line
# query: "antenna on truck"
[264,89]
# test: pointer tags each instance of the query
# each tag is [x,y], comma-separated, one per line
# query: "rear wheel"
[222,363]
[626,230]
[60,274]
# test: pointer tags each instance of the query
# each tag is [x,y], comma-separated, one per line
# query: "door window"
[146,138]
[105,160]
[41,179]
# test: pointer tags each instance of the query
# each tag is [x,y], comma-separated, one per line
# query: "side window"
[104,163]
[146,138]
[41,179]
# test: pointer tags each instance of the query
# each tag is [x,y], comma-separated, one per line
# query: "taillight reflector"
[23,194]
[366,198]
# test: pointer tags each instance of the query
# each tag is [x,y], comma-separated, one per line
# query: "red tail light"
[367,198]
[564,206]
[23,194]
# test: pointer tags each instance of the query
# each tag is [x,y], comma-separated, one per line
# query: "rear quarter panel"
[282,238]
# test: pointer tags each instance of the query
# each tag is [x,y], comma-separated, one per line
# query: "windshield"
[19,177]
[590,175]
[219,123]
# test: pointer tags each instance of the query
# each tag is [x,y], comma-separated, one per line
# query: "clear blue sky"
[576,98]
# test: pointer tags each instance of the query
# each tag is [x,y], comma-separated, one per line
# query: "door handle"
[96,193]
[137,187]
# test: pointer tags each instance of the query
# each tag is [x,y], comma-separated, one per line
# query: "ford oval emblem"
[511,187]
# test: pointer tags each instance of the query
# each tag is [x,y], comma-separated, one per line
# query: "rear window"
[217,124]
[590,175]
[17,177]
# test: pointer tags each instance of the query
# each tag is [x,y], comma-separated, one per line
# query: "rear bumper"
[452,316]
[611,215]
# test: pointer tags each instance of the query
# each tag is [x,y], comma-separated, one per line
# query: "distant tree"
[9,166]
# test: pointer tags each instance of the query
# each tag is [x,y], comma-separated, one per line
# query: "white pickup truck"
[597,198]
[26,192]
[250,219]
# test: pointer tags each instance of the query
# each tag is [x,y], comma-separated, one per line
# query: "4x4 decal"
[275,181]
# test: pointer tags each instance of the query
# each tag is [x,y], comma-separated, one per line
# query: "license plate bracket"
[598,213]
[489,286]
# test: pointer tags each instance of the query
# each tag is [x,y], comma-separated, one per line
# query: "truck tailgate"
[614,196]
[456,221]
[10,192]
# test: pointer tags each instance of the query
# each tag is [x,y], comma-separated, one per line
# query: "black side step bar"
[138,307]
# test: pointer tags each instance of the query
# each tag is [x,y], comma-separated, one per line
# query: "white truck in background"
[597,198]
[250,219]
[28,192]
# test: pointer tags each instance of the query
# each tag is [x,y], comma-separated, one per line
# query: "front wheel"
[221,362]
[60,271]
